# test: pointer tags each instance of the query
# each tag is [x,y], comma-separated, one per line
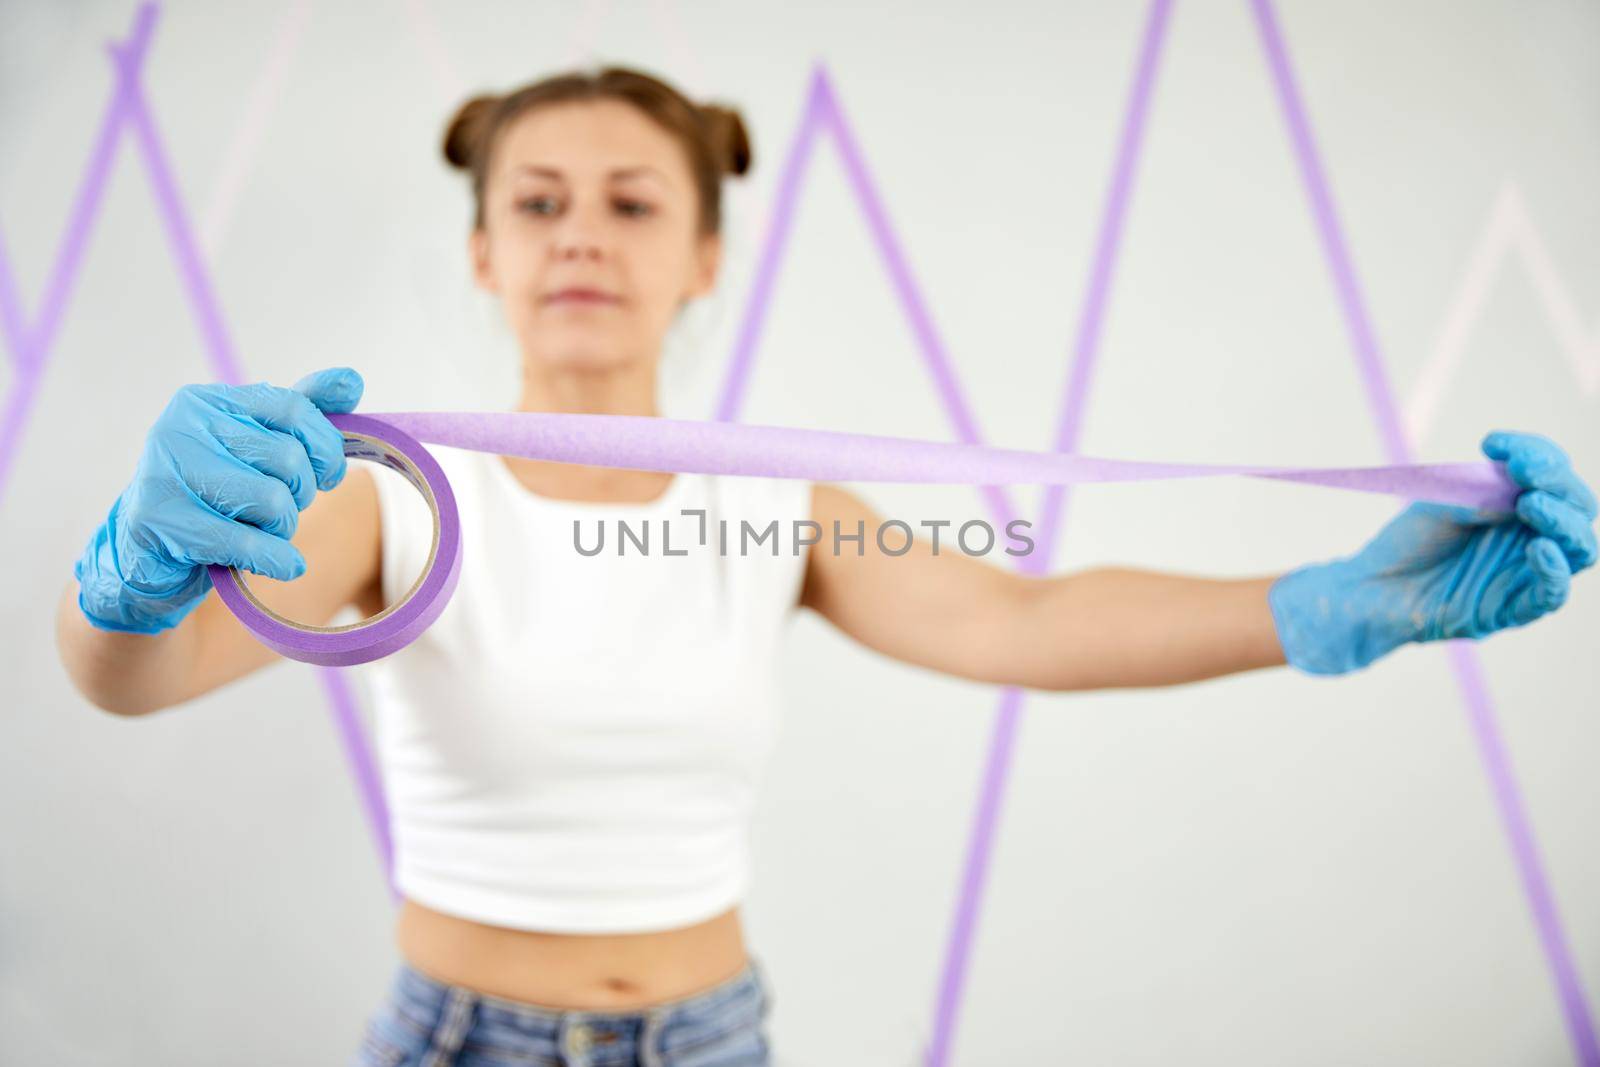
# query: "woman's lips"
[581,296]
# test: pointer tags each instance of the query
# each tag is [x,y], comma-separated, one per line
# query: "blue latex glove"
[225,472]
[1439,571]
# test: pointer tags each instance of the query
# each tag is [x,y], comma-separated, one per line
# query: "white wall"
[1258,869]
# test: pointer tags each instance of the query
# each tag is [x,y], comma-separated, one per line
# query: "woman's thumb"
[336,389]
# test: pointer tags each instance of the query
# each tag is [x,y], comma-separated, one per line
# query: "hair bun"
[730,142]
[465,132]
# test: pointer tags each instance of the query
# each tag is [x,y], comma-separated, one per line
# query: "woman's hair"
[713,137]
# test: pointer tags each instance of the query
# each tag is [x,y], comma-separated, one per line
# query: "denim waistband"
[425,999]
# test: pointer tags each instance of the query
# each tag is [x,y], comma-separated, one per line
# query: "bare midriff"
[590,972]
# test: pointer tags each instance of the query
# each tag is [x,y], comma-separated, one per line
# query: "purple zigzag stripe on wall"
[32,346]
[823,111]
[1469,674]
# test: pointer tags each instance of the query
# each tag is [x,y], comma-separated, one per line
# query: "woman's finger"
[270,452]
[1547,589]
[1534,461]
[219,539]
[290,412]
[235,490]
[1569,528]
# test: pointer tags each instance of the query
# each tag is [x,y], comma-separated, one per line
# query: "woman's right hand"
[225,472]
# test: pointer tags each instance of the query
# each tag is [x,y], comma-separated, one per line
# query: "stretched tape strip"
[642,442]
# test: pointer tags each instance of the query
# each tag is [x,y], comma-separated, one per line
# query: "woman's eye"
[544,205]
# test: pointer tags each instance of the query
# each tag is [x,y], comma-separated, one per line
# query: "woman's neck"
[607,392]
[612,391]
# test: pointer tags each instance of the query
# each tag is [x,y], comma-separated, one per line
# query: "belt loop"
[451,1030]
[650,1052]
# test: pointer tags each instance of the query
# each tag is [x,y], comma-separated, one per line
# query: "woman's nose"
[580,236]
[577,246]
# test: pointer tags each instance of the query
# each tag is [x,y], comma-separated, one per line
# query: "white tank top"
[576,742]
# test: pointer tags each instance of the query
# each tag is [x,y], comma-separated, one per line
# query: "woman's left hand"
[1439,571]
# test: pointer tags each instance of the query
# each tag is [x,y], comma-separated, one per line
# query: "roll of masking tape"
[642,442]
[398,625]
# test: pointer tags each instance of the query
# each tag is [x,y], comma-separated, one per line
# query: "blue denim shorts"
[428,1023]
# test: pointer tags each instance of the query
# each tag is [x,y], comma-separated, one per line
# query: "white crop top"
[576,742]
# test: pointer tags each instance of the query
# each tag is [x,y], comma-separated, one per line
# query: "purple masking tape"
[397,625]
[645,442]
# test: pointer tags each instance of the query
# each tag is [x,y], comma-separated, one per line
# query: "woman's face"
[591,195]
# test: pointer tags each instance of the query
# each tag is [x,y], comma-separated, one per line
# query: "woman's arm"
[1102,628]
[1113,627]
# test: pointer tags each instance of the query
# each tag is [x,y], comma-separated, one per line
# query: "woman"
[572,749]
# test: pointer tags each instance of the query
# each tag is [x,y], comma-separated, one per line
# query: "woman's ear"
[708,258]
[482,266]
